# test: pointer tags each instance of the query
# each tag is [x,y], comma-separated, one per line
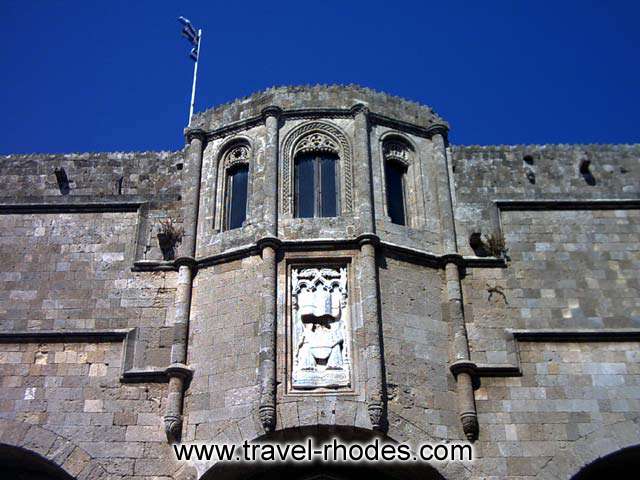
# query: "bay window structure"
[316,191]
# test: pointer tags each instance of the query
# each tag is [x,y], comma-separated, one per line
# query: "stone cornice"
[316,113]
[570,204]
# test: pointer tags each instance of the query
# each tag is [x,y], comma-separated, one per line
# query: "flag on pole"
[190,34]
[195,37]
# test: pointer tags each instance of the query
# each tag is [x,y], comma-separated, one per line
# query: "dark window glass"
[327,182]
[305,190]
[394,173]
[236,201]
[316,187]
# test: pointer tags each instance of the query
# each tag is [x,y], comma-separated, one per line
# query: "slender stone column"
[362,163]
[461,366]
[269,248]
[370,310]
[178,372]
[271,118]
[369,269]
[267,355]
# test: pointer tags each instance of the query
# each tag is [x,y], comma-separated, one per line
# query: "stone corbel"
[179,377]
[465,372]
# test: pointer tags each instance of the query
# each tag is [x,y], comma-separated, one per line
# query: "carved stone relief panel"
[320,324]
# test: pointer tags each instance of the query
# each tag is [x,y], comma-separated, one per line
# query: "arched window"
[235,204]
[395,173]
[233,187]
[316,190]
[396,155]
[316,172]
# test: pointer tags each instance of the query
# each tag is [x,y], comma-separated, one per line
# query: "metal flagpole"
[195,76]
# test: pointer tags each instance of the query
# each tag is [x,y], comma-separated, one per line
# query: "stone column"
[267,355]
[369,269]
[178,372]
[271,118]
[461,366]
[362,162]
[371,318]
[269,249]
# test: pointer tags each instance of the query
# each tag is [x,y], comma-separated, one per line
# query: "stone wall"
[568,392]
[56,391]
[224,348]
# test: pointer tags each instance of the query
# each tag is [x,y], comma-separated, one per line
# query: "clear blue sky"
[115,76]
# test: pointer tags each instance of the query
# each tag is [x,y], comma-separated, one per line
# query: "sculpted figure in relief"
[320,316]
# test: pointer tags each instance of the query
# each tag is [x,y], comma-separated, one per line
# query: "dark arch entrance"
[622,464]
[323,471]
[21,464]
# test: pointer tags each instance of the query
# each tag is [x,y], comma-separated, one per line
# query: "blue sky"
[115,76]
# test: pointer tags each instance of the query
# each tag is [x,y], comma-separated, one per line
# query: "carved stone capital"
[173,428]
[186,260]
[375,411]
[271,111]
[272,242]
[439,129]
[360,108]
[470,425]
[179,370]
[267,415]
[455,258]
[191,133]
[463,366]
[368,239]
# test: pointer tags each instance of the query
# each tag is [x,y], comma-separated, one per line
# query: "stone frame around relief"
[340,383]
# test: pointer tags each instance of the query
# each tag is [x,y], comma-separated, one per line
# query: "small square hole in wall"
[179,166]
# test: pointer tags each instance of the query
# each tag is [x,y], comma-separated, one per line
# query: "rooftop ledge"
[307,98]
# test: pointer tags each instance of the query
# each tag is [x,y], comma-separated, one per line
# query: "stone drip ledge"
[128,337]
[413,255]
[527,205]
[586,335]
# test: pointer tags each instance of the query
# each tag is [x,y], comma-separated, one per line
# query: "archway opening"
[620,464]
[21,464]
[322,470]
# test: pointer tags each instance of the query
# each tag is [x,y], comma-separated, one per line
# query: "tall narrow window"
[236,196]
[315,184]
[394,173]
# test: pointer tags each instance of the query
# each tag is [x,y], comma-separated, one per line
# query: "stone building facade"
[504,309]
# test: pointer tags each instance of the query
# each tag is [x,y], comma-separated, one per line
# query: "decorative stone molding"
[237,154]
[316,142]
[376,417]
[267,415]
[173,428]
[317,136]
[360,108]
[191,133]
[396,150]
[321,356]
[271,111]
